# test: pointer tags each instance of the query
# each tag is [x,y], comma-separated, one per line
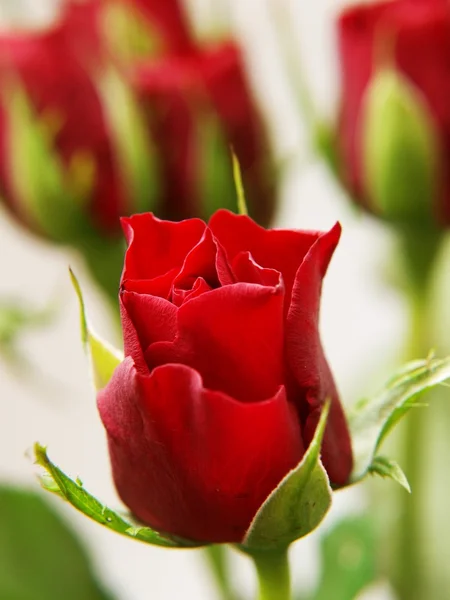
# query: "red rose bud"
[64,168]
[199,106]
[394,131]
[224,376]
[53,134]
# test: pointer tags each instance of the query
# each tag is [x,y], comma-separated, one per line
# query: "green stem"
[419,255]
[105,259]
[273,575]
[217,559]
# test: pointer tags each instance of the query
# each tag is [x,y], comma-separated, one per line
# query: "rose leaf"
[372,419]
[385,467]
[54,480]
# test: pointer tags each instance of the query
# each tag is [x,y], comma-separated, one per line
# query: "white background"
[362,319]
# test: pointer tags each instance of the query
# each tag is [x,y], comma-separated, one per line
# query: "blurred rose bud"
[394,130]
[67,167]
[224,377]
[199,108]
[55,149]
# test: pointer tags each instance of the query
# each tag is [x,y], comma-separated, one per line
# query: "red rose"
[224,377]
[198,105]
[61,90]
[413,36]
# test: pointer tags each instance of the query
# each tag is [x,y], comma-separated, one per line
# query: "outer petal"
[156,247]
[233,336]
[192,462]
[281,250]
[308,364]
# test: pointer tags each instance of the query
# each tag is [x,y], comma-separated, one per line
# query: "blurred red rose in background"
[57,77]
[401,123]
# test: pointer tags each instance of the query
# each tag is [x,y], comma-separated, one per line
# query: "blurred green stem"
[273,575]
[104,259]
[419,252]
[218,562]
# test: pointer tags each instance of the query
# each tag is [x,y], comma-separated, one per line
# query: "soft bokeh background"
[363,320]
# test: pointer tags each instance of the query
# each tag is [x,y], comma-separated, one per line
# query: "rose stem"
[419,253]
[216,557]
[273,574]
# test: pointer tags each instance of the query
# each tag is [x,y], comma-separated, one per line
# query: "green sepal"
[385,467]
[43,191]
[240,192]
[73,491]
[103,358]
[297,505]
[371,420]
[400,151]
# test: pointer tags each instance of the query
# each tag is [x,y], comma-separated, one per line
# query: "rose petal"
[200,262]
[246,270]
[308,364]
[190,461]
[156,247]
[146,320]
[281,250]
[233,336]
[200,286]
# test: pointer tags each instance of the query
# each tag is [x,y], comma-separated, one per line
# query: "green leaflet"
[371,420]
[102,356]
[297,505]
[385,467]
[72,491]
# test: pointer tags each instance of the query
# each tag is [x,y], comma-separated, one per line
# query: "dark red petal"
[199,262]
[159,286]
[156,247]
[281,250]
[308,364]
[246,270]
[131,342]
[233,336]
[200,286]
[153,318]
[190,461]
